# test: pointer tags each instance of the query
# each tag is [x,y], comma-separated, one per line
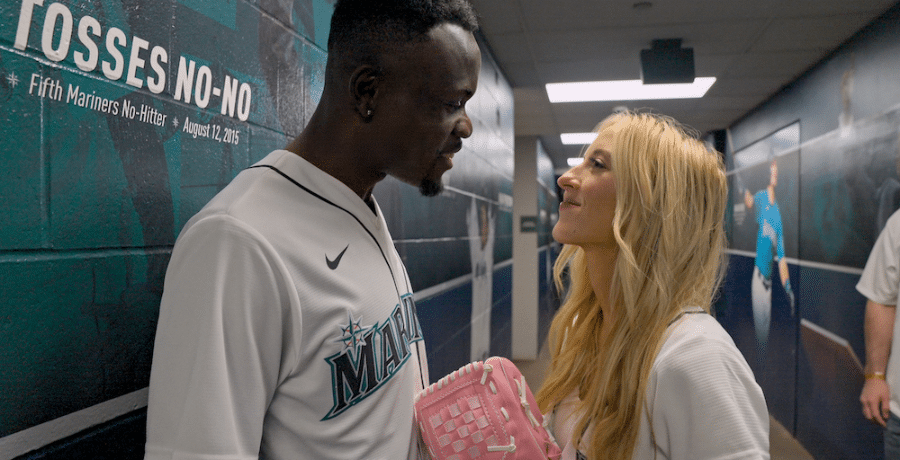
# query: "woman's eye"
[597,163]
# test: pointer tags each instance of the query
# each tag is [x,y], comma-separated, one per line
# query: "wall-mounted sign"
[528,224]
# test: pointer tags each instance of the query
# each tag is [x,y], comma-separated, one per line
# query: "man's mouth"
[444,160]
[452,150]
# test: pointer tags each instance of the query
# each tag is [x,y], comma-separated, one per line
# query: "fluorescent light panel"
[575,161]
[626,90]
[577,138]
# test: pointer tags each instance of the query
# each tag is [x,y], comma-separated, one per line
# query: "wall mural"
[849,189]
[760,226]
[803,222]
[124,117]
[758,306]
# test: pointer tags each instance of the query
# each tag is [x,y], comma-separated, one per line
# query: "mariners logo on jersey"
[371,355]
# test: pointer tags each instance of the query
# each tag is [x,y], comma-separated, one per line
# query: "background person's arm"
[879,329]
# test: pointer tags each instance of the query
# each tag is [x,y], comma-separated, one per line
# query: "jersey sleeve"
[779,231]
[707,405]
[759,200]
[880,279]
[223,338]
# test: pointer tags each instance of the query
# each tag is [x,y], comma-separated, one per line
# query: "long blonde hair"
[668,223]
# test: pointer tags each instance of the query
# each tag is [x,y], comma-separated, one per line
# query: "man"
[287,328]
[879,283]
[769,236]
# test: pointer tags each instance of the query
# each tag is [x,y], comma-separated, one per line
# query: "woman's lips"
[568,205]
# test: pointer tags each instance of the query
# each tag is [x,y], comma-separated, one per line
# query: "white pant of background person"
[761,292]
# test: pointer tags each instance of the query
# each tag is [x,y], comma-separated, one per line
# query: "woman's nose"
[567,179]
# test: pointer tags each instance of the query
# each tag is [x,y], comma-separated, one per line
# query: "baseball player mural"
[769,238]
[480,222]
[887,195]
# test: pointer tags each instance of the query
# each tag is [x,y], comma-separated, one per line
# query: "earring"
[369,113]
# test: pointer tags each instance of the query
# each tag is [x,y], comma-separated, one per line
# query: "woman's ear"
[364,88]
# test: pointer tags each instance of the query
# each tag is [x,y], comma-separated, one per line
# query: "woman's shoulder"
[700,375]
[694,340]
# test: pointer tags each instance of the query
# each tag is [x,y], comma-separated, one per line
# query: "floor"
[782,445]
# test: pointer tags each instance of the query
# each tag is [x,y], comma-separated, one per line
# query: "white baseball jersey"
[287,328]
[702,400]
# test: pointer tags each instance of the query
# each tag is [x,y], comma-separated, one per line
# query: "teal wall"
[111,141]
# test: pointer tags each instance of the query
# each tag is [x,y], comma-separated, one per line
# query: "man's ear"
[365,84]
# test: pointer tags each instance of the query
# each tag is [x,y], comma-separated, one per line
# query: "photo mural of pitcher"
[480,224]
[769,239]
[758,305]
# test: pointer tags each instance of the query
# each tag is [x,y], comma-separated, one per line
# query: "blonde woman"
[639,368]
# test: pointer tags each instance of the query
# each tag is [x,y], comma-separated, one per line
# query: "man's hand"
[875,399]
[879,331]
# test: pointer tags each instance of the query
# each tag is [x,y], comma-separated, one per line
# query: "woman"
[639,369]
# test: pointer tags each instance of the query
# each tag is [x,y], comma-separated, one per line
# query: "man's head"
[363,30]
[407,68]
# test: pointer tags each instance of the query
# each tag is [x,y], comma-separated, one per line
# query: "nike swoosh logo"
[333,264]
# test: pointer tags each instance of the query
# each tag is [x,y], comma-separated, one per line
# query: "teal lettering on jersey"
[371,355]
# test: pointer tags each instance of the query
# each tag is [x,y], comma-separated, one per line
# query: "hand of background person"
[875,399]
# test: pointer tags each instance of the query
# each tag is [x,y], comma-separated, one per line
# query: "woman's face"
[589,199]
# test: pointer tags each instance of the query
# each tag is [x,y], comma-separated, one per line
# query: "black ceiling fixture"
[667,62]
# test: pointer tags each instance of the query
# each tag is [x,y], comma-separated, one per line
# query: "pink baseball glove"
[483,411]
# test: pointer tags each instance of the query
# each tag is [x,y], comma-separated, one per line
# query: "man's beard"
[430,187]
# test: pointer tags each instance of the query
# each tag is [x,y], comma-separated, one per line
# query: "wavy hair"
[670,202]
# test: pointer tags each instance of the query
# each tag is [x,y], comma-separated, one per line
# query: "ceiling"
[753,48]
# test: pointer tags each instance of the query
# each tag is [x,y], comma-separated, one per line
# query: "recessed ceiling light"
[626,90]
[577,138]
